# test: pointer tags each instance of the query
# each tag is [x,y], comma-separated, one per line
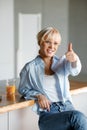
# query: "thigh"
[55,121]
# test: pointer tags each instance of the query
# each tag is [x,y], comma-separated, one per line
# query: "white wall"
[78,32]
[6,39]
[55,13]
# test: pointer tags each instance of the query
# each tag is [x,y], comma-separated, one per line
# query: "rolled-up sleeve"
[26,88]
[73,70]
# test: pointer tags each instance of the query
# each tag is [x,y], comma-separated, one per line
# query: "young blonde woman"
[45,79]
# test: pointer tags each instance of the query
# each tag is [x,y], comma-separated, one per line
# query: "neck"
[48,63]
[47,60]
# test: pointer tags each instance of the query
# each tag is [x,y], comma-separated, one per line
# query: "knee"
[79,116]
[78,120]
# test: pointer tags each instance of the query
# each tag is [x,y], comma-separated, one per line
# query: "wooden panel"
[77,87]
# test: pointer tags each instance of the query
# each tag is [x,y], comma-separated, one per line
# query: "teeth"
[50,51]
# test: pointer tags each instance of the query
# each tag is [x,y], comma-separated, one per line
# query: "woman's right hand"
[43,102]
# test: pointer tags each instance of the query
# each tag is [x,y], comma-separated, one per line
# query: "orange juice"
[11,97]
[10,86]
[10,89]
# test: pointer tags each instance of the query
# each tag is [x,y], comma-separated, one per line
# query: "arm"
[43,102]
[29,90]
[26,88]
[73,63]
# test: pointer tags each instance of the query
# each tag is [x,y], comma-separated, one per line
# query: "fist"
[71,56]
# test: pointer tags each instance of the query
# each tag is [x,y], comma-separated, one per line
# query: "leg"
[78,120]
[55,121]
[69,120]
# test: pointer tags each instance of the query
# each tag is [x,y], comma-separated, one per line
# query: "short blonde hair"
[46,33]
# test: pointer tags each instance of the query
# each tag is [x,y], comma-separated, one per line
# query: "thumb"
[70,47]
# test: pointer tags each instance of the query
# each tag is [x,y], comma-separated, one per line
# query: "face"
[49,47]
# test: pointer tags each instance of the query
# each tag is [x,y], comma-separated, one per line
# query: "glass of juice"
[10,86]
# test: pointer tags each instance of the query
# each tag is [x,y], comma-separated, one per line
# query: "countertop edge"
[16,106]
[78,91]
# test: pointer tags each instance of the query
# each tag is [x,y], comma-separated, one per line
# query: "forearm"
[43,101]
[75,67]
[74,64]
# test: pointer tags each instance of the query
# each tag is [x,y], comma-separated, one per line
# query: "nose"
[52,45]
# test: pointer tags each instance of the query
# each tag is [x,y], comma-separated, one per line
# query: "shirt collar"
[40,61]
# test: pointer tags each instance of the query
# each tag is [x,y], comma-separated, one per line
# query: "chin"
[50,55]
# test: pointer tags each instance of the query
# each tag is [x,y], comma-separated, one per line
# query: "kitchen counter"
[13,102]
[77,87]
[9,103]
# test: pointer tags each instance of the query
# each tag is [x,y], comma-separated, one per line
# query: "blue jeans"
[62,116]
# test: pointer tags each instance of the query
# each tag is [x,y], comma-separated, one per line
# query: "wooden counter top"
[16,102]
[78,87]
[13,102]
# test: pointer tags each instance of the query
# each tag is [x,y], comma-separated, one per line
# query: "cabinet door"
[23,119]
[4,121]
[80,103]
[29,25]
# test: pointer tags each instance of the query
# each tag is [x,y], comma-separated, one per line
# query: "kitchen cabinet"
[4,121]
[23,119]
[20,119]
[80,103]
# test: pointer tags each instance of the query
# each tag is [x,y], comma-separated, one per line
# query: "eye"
[56,43]
[48,42]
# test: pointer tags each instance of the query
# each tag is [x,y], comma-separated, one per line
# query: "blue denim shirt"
[32,76]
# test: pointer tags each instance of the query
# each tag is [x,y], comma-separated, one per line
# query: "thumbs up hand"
[71,56]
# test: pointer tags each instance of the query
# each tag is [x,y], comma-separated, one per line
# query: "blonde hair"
[46,33]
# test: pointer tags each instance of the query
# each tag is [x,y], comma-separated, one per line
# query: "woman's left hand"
[71,56]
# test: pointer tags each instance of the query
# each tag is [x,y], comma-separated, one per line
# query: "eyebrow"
[50,41]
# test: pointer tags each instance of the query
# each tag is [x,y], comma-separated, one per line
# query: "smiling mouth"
[50,51]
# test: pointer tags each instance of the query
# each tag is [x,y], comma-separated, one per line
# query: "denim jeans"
[62,116]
